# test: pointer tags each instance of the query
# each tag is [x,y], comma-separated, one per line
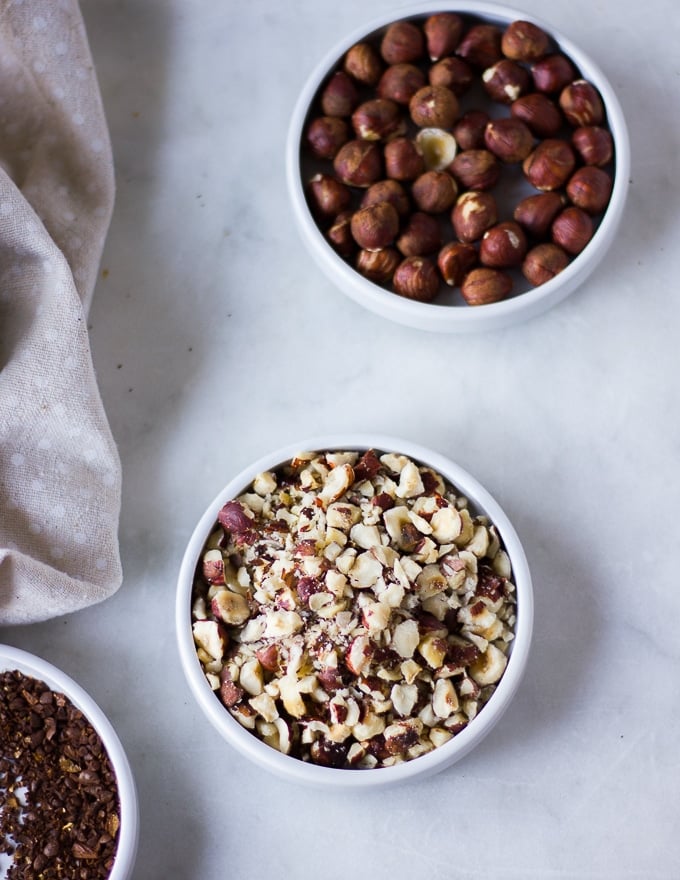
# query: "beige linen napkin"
[59,468]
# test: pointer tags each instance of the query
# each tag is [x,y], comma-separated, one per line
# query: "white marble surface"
[216,339]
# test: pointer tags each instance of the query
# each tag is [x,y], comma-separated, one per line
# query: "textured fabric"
[59,468]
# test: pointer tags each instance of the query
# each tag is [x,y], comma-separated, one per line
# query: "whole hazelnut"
[403,160]
[400,82]
[552,73]
[433,107]
[483,286]
[454,73]
[594,144]
[455,260]
[543,262]
[473,213]
[469,130]
[378,266]
[359,163]
[476,169]
[420,236]
[590,188]
[402,42]
[340,234]
[509,139]
[504,246]
[434,191]
[375,226]
[550,165]
[524,41]
[481,46]
[378,120]
[328,196]
[325,135]
[541,116]
[416,278]
[340,96]
[581,103]
[442,34]
[363,63]
[572,229]
[505,81]
[437,147]
[388,191]
[536,213]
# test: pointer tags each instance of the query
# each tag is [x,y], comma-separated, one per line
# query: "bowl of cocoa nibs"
[461,168]
[354,611]
[68,803]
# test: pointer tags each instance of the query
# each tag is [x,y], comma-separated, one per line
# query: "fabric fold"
[60,476]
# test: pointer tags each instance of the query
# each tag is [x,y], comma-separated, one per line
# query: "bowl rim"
[57,680]
[446,316]
[292,768]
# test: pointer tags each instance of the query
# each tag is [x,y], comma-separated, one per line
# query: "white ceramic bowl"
[455,315]
[29,664]
[325,777]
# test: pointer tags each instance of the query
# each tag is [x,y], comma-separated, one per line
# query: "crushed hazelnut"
[373,653]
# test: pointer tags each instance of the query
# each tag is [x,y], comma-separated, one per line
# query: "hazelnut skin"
[572,229]
[402,42]
[504,246]
[505,81]
[483,286]
[469,130]
[420,236]
[433,107]
[434,192]
[594,144]
[581,104]
[541,116]
[536,213]
[375,226]
[454,73]
[328,196]
[543,263]
[509,139]
[340,96]
[552,73]
[473,214]
[590,188]
[524,41]
[416,278]
[325,135]
[378,120]
[378,266]
[550,165]
[455,260]
[476,169]
[400,82]
[363,63]
[442,34]
[388,191]
[359,163]
[403,160]
[340,234]
[481,46]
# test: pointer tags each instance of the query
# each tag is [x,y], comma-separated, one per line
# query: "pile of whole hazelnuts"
[422,134]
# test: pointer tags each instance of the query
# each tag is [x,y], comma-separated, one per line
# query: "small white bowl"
[291,768]
[455,315]
[58,681]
